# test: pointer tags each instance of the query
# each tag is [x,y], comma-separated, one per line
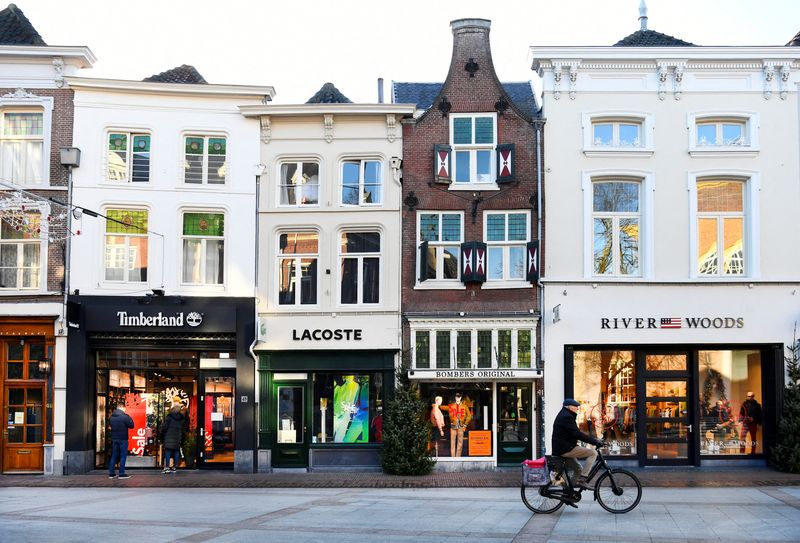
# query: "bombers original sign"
[650,323]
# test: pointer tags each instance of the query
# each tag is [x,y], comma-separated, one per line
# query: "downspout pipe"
[539,285]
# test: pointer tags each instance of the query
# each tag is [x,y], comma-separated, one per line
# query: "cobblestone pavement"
[651,477]
[389,515]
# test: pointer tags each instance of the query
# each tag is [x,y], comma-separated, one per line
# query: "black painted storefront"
[156,323]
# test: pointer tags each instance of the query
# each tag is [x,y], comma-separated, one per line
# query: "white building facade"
[669,270]
[162,307]
[329,233]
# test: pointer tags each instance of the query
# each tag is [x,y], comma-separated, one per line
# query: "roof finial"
[643,15]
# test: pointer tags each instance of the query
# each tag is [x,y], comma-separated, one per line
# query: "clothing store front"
[152,353]
[323,410]
[677,404]
[479,379]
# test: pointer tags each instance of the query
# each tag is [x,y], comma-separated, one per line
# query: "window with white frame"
[503,347]
[298,183]
[444,233]
[616,224]
[22,158]
[506,234]
[20,255]
[360,260]
[203,248]
[617,133]
[128,157]
[721,132]
[720,227]
[298,253]
[362,182]
[205,160]
[473,138]
[126,245]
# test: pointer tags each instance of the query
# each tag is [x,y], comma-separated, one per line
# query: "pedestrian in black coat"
[171,434]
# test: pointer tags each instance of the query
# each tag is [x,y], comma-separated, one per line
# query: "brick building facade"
[470,244]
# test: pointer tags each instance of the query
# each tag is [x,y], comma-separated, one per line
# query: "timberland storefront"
[152,353]
[323,383]
[671,387]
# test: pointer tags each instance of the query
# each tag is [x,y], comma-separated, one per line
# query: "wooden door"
[23,435]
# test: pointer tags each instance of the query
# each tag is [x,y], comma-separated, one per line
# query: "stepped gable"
[329,94]
[16,29]
[651,38]
[183,74]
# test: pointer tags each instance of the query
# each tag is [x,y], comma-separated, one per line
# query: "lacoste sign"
[650,323]
[160,319]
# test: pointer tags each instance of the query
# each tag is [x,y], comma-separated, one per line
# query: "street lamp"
[70,158]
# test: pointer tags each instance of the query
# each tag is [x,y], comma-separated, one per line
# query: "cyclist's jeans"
[583,453]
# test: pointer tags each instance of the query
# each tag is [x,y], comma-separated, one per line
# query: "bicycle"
[616,490]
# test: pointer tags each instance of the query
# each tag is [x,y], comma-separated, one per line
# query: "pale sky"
[297,46]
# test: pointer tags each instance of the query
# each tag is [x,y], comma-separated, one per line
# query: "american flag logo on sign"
[671,322]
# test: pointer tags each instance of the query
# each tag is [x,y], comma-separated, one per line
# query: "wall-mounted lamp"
[44,366]
[70,157]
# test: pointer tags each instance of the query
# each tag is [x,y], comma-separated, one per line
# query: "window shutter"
[505,163]
[441,164]
[473,262]
[532,264]
[423,261]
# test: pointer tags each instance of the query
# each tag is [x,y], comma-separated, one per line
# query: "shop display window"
[460,418]
[731,414]
[348,408]
[605,385]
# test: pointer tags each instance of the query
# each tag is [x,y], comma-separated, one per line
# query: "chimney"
[380,90]
[471,52]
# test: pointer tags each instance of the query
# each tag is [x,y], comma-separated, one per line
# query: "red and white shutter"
[505,163]
[442,164]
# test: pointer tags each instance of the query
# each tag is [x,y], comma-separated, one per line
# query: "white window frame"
[204,239]
[279,182]
[472,148]
[506,282]
[751,125]
[646,121]
[615,217]
[205,136]
[21,101]
[515,326]
[362,160]
[646,238]
[127,247]
[297,257]
[43,211]
[131,133]
[432,284]
[752,221]
[360,257]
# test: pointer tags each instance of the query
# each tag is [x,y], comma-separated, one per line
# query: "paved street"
[388,515]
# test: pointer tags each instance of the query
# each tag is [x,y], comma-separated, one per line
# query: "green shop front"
[322,409]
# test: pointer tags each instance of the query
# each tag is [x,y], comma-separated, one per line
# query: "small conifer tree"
[786,454]
[406,431]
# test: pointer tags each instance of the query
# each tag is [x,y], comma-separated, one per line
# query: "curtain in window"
[214,260]
[349,281]
[191,260]
[371,280]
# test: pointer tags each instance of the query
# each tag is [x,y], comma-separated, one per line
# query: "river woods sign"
[650,323]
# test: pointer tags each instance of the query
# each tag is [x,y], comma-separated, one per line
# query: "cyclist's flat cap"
[570,401]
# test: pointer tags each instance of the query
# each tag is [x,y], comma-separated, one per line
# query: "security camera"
[396,162]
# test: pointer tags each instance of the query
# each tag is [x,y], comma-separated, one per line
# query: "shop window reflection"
[605,385]
[730,402]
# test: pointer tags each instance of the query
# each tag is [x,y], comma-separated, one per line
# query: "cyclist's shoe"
[583,483]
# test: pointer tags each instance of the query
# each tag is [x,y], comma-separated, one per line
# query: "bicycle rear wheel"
[618,491]
[534,499]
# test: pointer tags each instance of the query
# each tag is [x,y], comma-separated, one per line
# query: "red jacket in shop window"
[460,414]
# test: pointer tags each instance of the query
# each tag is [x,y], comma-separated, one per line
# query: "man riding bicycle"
[565,442]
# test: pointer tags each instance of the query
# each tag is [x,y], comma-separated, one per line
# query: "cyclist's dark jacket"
[566,432]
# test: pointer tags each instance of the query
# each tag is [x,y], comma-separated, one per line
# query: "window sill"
[494,285]
[723,152]
[474,187]
[431,284]
[595,152]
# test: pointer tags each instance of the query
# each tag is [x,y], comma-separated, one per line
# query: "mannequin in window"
[437,420]
[460,417]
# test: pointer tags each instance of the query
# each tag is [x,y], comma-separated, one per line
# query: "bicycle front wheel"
[535,499]
[618,491]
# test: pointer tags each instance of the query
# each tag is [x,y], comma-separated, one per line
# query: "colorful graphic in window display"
[136,407]
[351,410]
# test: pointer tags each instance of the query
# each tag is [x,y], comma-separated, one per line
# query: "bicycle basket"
[535,472]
